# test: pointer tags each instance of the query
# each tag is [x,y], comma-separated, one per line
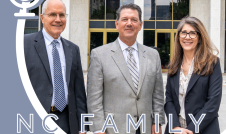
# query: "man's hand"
[100,133]
[153,129]
[82,133]
[184,131]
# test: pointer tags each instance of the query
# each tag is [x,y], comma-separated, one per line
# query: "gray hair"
[128,6]
[44,6]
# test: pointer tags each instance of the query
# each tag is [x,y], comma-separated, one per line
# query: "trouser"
[63,121]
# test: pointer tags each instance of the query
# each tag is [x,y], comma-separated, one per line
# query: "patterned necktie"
[132,65]
[60,101]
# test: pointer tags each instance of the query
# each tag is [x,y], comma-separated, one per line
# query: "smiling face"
[128,25]
[54,27]
[187,43]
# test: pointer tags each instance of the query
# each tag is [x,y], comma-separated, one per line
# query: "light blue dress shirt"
[48,40]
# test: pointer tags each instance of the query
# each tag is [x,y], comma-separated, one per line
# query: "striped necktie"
[60,100]
[132,65]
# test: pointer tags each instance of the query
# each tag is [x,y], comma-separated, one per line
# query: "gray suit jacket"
[111,90]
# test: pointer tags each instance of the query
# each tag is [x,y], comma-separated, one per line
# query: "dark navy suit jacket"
[40,76]
[203,96]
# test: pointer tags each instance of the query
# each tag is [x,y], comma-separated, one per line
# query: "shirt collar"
[124,46]
[49,38]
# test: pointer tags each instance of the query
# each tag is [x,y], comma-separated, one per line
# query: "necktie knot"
[130,49]
[55,42]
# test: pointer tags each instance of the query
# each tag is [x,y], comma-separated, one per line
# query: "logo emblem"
[24,5]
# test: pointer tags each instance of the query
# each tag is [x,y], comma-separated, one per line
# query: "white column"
[65,33]
[217,28]
[140,34]
[79,28]
[39,18]
[222,28]
[201,10]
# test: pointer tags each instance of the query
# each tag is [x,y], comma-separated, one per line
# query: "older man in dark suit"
[54,68]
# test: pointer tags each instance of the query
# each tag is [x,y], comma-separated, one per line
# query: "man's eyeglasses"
[54,15]
[192,34]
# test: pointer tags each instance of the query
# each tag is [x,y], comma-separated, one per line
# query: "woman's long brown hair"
[204,57]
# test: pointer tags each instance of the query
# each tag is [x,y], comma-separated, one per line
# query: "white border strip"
[26,81]
[224,132]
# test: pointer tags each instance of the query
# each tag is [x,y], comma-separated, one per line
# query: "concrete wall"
[212,14]
[140,34]
[77,26]
[201,10]
[217,27]
[65,33]
[222,35]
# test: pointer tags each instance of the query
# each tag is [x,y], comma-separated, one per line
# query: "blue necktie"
[60,101]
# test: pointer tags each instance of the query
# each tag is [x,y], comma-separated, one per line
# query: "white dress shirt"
[183,85]
[48,40]
[125,52]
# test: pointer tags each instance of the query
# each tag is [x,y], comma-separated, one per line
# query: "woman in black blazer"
[194,84]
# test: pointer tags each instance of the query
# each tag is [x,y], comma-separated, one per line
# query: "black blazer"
[203,96]
[40,76]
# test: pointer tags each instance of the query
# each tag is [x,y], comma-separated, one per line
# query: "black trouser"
[138,131]
[63,121]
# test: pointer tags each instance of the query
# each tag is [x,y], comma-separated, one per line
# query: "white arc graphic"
[26,81]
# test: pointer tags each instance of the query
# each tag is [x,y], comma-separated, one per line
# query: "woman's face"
[188,41]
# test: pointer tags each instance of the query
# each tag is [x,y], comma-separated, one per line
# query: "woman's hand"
[184,131]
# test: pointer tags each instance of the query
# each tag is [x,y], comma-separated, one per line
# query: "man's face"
[128,24]
[54,26]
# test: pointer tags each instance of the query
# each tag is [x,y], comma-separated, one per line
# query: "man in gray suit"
[125,77]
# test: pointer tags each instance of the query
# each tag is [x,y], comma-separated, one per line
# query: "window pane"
[164,9]
[36,11]
[180,9]
[127,1]
[110,24]
[96,40]
[163,47]
[96,24]
[175,24]
[112,6]
[149,24]
[30,30]
[149,9]
[112,36]
[149,38]
[97,9]
[163,24]
[31,23]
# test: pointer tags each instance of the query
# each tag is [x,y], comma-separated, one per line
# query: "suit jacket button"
[138,98]
[51,94]
[187,100]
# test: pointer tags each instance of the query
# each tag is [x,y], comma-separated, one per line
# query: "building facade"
[91,23]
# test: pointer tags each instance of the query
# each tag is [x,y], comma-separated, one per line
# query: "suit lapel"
[68,59]
[121,63]
[41,50]
[142,66]
[192,81]
[176,81]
